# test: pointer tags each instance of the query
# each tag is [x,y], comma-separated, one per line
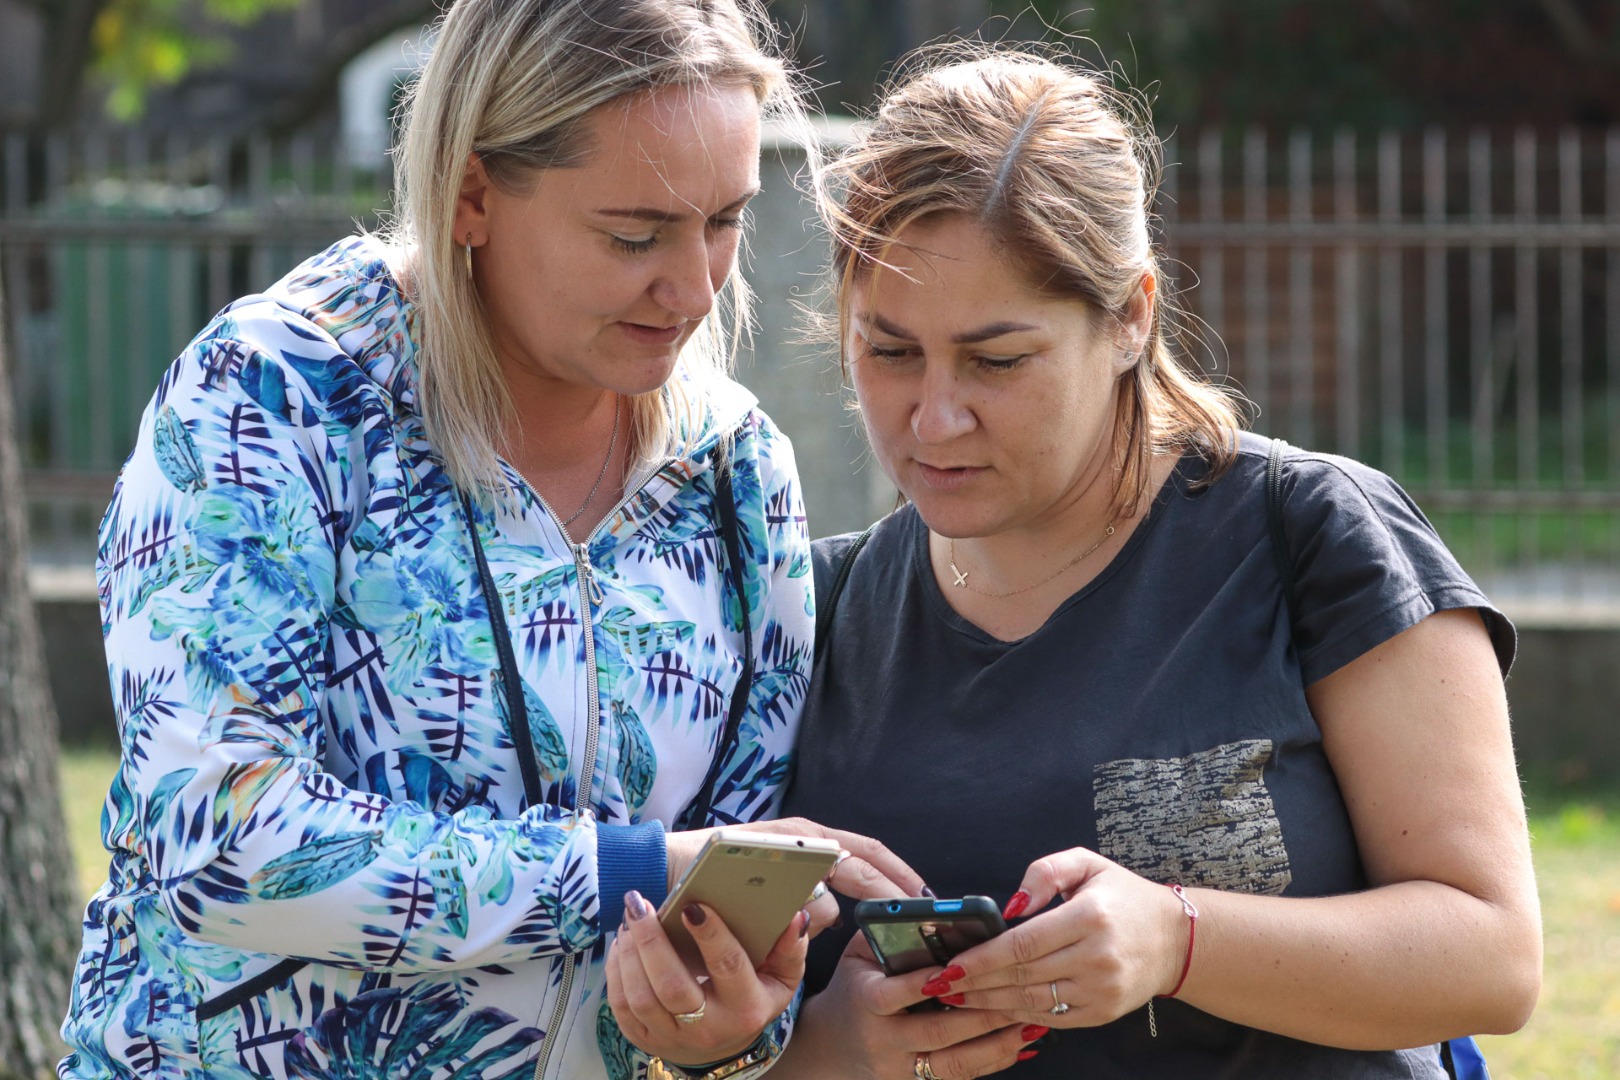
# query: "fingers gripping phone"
[909,934]
[756,882]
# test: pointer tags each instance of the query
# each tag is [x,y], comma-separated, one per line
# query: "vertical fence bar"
[16,150]
[1436,411]
[1167,200]
[99,309]
[1256,306]
[1571,288]
[1526,348]
[219,252]
[1391,409]
[1347,399]
[59,387]
[260,166]
[19,299]
[303,174]
[182,255]
[1611,316]
[1482,340]
[1302,364]
[1212,269]
[136,361]
[342,179]
[56,180]
[1481,343]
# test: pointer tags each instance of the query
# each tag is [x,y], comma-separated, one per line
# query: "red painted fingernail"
[926,891]
[804,924]
[1025,1055]
[1032,1032]
[953,999]
[694,914]
[1015,907]
[952,973]
[935,987]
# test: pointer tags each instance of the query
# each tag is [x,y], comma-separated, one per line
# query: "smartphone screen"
[756,882]
[906,935]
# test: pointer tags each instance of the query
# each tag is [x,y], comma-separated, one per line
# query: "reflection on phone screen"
[907,946]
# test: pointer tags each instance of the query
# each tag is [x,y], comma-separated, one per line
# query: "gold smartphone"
[756,882]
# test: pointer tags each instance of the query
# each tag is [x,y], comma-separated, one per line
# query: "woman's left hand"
[1115,941]
[650,987]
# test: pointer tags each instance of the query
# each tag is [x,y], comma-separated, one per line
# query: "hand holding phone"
[756,882]
[910,934]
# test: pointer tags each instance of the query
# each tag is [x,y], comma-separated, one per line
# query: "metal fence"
[1445,306]
[116,250]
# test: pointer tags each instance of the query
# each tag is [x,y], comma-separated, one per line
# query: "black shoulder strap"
[826,605]
[517,710]
[725,505]
[1274,515]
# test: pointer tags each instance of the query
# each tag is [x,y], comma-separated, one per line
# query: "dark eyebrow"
[969,337]
[664,217]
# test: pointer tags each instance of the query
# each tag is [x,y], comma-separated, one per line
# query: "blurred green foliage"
[140,45]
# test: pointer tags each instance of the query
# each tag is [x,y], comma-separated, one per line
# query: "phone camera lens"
[732,851]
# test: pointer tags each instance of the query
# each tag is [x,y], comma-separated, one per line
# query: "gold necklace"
[960,579]
[612,442]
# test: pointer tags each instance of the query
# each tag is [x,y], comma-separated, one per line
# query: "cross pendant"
[961,578]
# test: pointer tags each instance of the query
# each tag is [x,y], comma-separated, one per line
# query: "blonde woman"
[1237,765]
[445,577]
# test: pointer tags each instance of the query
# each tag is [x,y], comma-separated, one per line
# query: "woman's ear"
[1137,323]
[472,211]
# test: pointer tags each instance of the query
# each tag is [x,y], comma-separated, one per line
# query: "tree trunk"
[39,927]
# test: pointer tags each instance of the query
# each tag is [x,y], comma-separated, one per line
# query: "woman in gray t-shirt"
[1069,674]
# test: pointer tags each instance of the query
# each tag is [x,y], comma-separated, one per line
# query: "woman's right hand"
[858,1029]
[871,871]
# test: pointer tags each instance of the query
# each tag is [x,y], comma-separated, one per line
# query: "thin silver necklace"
[612,442]
[959,578]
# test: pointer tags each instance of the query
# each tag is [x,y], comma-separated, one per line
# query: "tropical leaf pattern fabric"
[318,760]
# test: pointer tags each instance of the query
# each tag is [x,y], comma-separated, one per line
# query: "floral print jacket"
[323,863]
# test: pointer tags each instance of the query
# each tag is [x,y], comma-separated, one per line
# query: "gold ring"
[1058,1006]
[921,1069]
[694,1016]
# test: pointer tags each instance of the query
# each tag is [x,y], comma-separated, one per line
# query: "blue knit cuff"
[629,857]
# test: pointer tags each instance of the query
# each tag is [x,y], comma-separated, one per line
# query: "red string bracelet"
[1192,935]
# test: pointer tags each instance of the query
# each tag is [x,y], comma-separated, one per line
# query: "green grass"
[1574,1035]
[85,776]
[1575,1032]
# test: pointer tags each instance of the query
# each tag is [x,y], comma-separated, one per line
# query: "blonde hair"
[1062,170]
[512,81]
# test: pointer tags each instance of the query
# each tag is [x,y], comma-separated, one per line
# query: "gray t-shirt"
[1159,718]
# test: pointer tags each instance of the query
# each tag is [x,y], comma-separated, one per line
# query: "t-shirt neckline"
[922,569]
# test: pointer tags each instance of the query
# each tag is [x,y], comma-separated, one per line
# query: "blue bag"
[1462,1059]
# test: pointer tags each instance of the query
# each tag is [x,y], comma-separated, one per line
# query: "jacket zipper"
[590,592]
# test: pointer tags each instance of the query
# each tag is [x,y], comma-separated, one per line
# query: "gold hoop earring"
[468,249]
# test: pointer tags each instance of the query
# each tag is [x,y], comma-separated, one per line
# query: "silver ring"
[818,892]
[1059,1007]
[694,1016]
[921,1069]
